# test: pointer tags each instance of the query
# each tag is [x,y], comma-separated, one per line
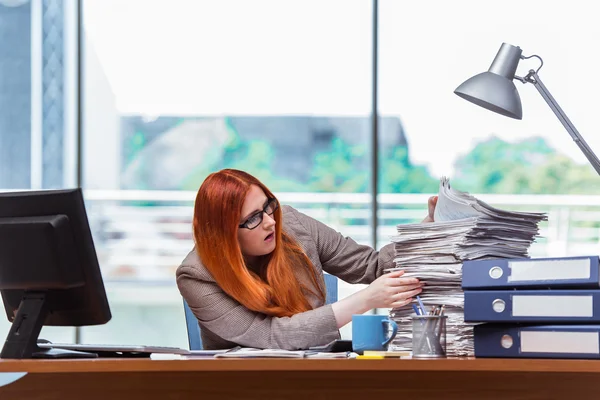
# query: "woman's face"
[260,240]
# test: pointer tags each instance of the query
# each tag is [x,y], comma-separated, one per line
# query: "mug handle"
[394,331]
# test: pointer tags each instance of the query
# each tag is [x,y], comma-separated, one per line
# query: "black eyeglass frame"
[272,202]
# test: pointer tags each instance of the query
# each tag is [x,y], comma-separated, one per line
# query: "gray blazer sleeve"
[225,317]
[342,256]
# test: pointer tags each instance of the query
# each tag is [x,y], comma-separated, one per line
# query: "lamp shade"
[494,89]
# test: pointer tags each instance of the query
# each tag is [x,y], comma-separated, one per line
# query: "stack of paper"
[465,228]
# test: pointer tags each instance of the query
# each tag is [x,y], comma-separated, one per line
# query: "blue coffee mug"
[370,332]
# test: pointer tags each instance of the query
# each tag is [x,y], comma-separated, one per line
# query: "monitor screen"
[49,272]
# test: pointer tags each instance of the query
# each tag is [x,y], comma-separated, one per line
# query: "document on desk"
[188,354]
[246,352]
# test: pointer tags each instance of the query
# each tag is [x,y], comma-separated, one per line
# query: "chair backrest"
[193,329]
[331,285]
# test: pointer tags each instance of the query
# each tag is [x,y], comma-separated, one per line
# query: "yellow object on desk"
[387,354]
[370,357]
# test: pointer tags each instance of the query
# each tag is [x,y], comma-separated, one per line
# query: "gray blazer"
[225,323]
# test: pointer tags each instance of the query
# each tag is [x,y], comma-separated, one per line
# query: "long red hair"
[217,212]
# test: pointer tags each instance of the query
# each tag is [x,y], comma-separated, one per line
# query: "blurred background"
[137,101]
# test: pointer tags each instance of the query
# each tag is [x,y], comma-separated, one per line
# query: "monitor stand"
[21,341]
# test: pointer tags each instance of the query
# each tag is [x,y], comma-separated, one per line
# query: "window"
[38,103]
[174,90]
[427,49]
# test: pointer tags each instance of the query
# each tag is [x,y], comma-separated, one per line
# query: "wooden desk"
[302,379]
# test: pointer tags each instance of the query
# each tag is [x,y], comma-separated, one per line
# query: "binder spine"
[561,306]
[565,272]
[544,341]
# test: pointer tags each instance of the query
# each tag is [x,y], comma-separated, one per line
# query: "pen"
[424,340]
[416,310]
[439,330]
[423,312]
[434,311]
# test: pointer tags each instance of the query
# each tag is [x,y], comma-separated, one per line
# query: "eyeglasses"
[256,219]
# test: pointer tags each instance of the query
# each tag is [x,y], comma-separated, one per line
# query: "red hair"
[217,212]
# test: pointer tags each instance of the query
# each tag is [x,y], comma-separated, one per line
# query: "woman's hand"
[391,291]
[431,203]
[387,291]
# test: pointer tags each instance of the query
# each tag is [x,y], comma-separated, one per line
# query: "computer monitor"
[49,272]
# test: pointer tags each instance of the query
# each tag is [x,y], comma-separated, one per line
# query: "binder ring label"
[506,341]
[498,305]
[496,272]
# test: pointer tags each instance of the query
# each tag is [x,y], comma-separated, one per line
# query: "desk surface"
[301,379]
[147,365]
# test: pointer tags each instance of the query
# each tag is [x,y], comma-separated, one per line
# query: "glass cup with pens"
[428,331]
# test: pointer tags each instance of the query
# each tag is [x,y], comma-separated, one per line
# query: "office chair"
[193,329]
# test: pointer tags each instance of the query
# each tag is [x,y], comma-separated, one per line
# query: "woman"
[255,278]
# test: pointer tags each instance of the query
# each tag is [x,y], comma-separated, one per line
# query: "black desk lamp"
[495,91]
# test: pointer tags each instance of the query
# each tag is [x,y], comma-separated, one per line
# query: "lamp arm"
[532,77]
